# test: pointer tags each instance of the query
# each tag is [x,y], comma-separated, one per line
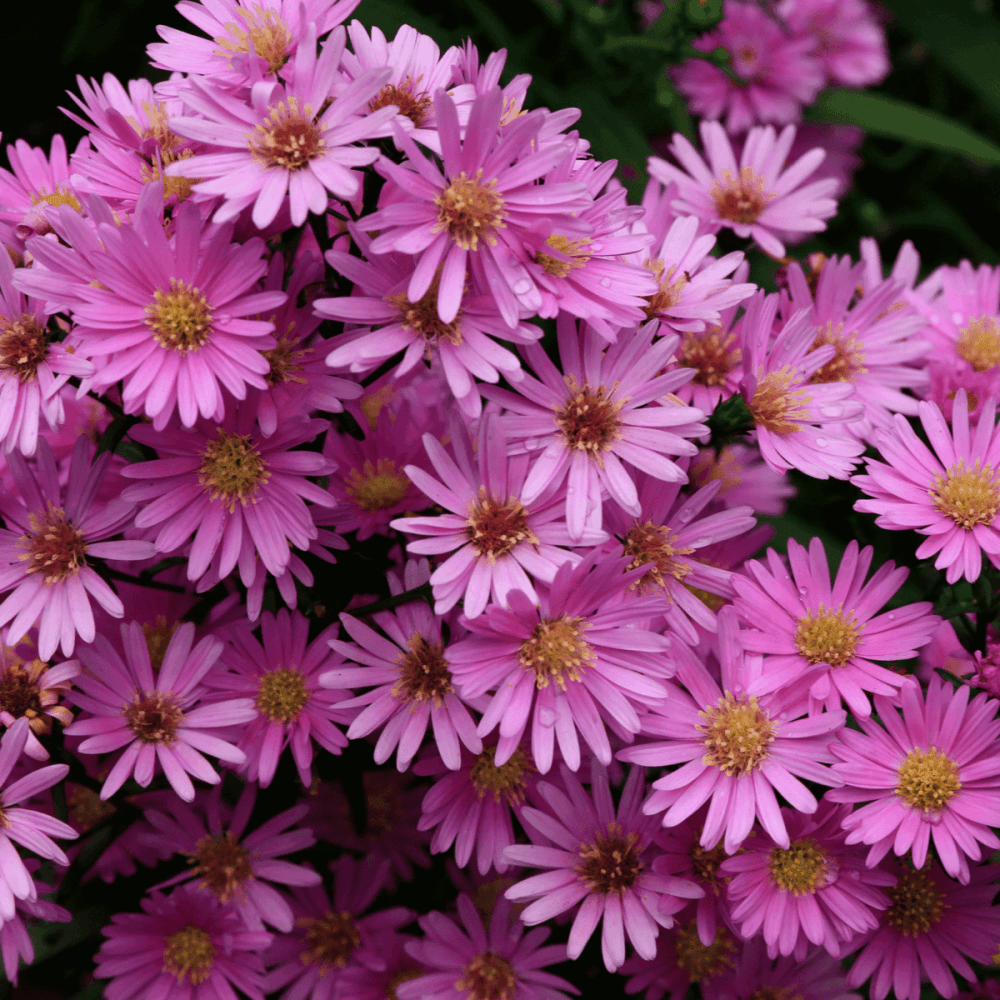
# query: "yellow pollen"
[707,467]
[423,319]
[967,497]
[495,528]
[409,102]
[61,196]
[979,343]
[556,651]
[711,354]
[669,292]
[470,211]
[329,940]
[576,250]
[507,782]
[741,199]
[288,138]
[19,691]
[656,546]
[928,779]
[424,673]
[154,717]
[157,128]
[376,487]
[232,469]
[848,361]
[705,864]
[23,347]
[776,406]
[181,319]
[158,635]
[224,866]
[55,546]
[828,636]
[701,962]
[917,903]
[801,869]
[263,27]
[282,694]
[285,362]
[173,187]
[86,808]
[189,953]
[403,976]
[589,420]
[489,976]
[737,736]
[611,863]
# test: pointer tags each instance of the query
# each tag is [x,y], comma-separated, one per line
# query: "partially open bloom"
[31,689]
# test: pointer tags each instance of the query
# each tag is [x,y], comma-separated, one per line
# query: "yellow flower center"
[232,469]
[776,406]
[611,863]
[707,466]
[189,953]
[495,528]
[801,869]
[556,651]
[424,674]
[158,635]
[181,319]
[711,354]
[330,940]
[224,866]
[61,196]
[979,343]
[409,102]
[470,211]
[285,362]
[507,782]
[701,962]
[288,138]
[847,363]
[968,497]
[23,347]
[576,250]
[928,779]
[262,26]
[828,636]
[737,735]
[376,487]
[655,545]
[740,198]
[589,420]
[669,292]
[282,694]
[422,317]
[489,976]
[917,903]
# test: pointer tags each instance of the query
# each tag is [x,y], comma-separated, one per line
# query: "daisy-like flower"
[469,961]
[186,945]
[410,679]
[736,749]
[155,718]
[166,316]
[817,891]
[288,141]
[15,944]
[31,829]
[758,197]
[235,866]
[596,414]
[575,663]
[280,673]
[802,621]
[932,775]
[949,492]
[796,419]
[499,539]
[332,937]
[483,213]
[239,493]
[52,531]
[746,479]
[931,927]
[31,689]
[599,856]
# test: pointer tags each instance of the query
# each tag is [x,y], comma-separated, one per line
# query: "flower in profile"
[736,749]
[598,856]
[577,662]
[186,945]
[949,491]
[38,184]
[932,925]
[280,672]
[933,775]
[758,197]
[156,718]
[469,961]
[52,532]
[331,938]
[31,689]
[802,622]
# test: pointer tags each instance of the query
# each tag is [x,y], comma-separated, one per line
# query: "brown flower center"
[263,27]
[968,497]
[495,528]
[611,863]
[589,419]
[409,102]
[376,487]
[86,807]
[669,292]
[189,953]
[705,865]
[55,546]
[711,354]
[556,651]
[575,250]
[917,903]
[470,211]
[285,362]
[154,717]
[707,467]
[737,736]
[23,347]
[701,962]
[507,782]
[288,138]
[776,406]
[329,940]
[848,361]
[224,866]
[741,198]
[489,976]
[19,694]
[424,674]
[232,469]
[828,636]
[800,869]
[282,694]
[656,546]
[979,343]
[181,319]
[158,635]
[928,779]
[423,319]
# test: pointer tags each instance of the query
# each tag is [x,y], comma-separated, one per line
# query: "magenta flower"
[186,945]
[240,494]
[746,479]
[735,749]
[281,674]
[950,493]
[756,198]
[499,539]
[608,406]
[930,928]
[52,531]
[468,961]
[155,718]
[599,856]
[38,184]
[935,774]
[15,944]
[817,891]
[803,622]
[576,663]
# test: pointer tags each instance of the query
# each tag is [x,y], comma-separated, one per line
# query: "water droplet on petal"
[522,286]
[820,442]
[606,282]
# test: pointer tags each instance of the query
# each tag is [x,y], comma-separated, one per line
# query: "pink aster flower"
[240,494]
[746,479]
[577,662]
[815,892]
[156,719]
[932,775]
[608,406]
[803,622]
[16,945]
[499,539]
[288,141]
[736,750]
[164,315]
[758,197]
[949,492]
[52,531]
[930,929]
[483,214]
[27,827]
[331,938]
[410,679]
[186,945]
[469,961]
[796,419]
[598,856]
[778,71]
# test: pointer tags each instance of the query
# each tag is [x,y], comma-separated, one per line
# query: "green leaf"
[51,938]
[885,116]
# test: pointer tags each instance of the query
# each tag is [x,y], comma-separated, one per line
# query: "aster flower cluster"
[381,581]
